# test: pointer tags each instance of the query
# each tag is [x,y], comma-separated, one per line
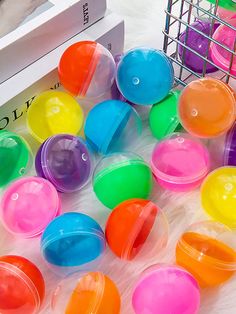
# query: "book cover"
[47,27]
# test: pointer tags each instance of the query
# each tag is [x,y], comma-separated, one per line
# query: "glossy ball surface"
[65,161]
[112,126]
[207,108]
[86,69]
[153,293]
[21,284]
[145,76]
[52,113]
[15,157]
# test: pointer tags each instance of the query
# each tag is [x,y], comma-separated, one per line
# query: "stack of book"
[29,55]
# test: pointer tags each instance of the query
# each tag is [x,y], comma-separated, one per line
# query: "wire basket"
[180,15]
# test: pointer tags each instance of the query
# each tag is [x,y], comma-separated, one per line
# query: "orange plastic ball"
[207,108]
[86,69]
[93,292]
[136,228]
[204,251]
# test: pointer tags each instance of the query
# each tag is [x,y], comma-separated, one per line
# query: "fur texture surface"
[144,22]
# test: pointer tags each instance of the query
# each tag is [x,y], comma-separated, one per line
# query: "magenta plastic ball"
[166,289]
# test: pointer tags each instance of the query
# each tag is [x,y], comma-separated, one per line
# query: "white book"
[50,25]
[17,93]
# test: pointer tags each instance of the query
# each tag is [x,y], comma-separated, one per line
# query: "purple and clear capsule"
[65,161]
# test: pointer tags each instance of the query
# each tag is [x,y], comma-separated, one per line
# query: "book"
[50,25]
[18,92]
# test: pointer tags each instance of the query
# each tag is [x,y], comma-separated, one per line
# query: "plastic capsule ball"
[112,126]
[72,242]
[223,149]
[207,108]
[225,4]
[87,69]
[28,205]
[136,230]
[180,162]
[65,161]
[207,251]
[145,76]
[225,36]
[122,176]
[54,112]
[218,195]
[199,44]
[201,10]
[229,155]
[21,284]
[15,157]
[226,15]
[165,288]
[163,117]
[91,292]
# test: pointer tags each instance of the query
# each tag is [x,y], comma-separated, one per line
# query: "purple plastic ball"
[65,161]
[230,147]
[198,43]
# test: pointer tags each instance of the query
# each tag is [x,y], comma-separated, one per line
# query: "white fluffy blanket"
[144,22]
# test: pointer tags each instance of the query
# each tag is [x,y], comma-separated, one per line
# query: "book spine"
[12,113]
[71,21]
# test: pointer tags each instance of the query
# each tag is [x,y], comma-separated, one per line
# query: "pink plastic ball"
[166,289]
[28,205]
[180,162]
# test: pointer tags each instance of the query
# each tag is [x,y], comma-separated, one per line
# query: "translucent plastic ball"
[112,126]
[145,76]
[28,205]
[91,292]
[225,4]
[65,161]
[223,149]
[199,44]
[136,230]
[86,69]
[180,162]
[218,195]
[207,251]
[163,117]
[163,289]
[226,15]
[225,36]
[229,146]
[122,176]
[207,108]
[21,284]
[72,242]
[54,112]
[15,157]
[201,9]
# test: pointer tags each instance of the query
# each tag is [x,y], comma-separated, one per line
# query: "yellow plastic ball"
[218,195]
[54,112]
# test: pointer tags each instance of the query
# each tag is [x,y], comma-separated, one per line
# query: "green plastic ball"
[226,4]
[163,117]
[120,177]
[15,157]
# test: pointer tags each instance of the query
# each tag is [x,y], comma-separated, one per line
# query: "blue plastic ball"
[72,239]
[112,126]
[145,76]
